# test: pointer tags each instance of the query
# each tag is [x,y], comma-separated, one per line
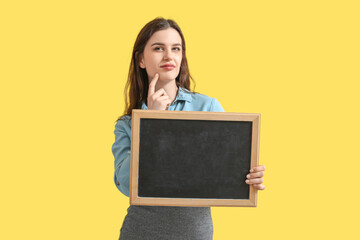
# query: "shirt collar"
[183,95]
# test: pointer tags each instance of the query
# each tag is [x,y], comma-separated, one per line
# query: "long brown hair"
[137,85]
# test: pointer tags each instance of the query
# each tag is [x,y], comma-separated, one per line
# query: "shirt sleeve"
[216,106]
[121,150]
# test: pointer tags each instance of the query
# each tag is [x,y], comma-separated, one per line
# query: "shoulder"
[123,124]
[205,102]
[193,97]
[198,97]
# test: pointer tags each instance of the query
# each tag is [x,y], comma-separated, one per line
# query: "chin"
[167,77]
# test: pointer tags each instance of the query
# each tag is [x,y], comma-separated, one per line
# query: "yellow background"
[63,67]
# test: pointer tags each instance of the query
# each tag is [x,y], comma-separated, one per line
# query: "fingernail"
[248,175]
[247,181]
[251,170]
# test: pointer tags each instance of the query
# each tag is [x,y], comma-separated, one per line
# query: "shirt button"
[117,183]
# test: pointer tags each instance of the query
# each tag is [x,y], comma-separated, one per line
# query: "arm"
[121,151]
[216,106]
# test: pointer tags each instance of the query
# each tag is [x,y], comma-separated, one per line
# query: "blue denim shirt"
[184,101]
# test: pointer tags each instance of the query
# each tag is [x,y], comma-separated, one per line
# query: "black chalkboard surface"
[193,158]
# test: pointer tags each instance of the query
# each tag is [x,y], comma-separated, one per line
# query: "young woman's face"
[164,47]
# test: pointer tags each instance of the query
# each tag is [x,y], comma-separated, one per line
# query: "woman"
[159,79]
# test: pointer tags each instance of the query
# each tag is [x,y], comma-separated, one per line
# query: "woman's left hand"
[255,177]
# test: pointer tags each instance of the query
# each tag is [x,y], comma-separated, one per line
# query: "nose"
[168,54]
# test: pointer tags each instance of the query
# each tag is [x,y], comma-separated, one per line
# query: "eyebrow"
[162,44]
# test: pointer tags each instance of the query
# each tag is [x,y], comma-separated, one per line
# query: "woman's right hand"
[158,100]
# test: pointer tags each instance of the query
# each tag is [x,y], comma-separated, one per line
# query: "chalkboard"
[181,158]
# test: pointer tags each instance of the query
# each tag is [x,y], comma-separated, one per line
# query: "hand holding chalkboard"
[158,100]
[255,177]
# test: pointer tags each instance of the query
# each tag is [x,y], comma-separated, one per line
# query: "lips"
[167,66]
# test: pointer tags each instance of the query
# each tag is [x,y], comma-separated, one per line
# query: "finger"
[257,169]
[163,101]
[255,175]
[168,104]
[255,180]
[162,98]
[259,186]
[152,84]
[159,93]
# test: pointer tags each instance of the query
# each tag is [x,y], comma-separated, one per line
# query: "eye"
[179,49]
[156,48]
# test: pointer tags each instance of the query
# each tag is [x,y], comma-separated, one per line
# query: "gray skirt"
[160,222]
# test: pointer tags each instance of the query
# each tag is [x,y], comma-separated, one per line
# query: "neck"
[170,88]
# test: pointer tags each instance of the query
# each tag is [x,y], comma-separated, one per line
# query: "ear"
[141,61]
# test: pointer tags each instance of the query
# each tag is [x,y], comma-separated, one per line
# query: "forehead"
[168,36]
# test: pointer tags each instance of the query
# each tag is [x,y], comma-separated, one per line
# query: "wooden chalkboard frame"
[137,115]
